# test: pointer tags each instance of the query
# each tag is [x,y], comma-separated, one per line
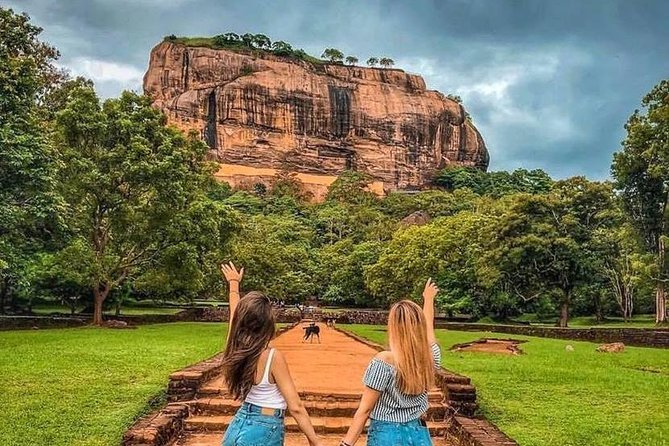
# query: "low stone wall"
[35,322]
[464,431]
[158,428]
[287,315]
[641,337]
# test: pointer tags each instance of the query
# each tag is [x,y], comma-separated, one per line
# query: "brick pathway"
[327,375]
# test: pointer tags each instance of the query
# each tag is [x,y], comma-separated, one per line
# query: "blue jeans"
[386,433]
[249,427]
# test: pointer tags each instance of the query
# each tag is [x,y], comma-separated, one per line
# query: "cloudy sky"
[548,83]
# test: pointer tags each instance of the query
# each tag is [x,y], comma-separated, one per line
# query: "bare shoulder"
[279,358]
[386,357]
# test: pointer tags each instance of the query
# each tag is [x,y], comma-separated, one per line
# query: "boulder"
[417,218]
[614,347]
[116,324]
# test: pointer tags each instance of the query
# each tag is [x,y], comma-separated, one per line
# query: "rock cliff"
[259,113]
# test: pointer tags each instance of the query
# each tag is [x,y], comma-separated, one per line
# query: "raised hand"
[231,273]
[430,290]
[429,293]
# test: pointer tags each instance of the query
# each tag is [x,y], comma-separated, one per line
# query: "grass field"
[85,386]
[549,396]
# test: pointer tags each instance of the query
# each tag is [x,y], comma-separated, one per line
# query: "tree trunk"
[564,314]
[564,310]
[660,293]
[599,310]
[3,295]
[660,304]
[100,293]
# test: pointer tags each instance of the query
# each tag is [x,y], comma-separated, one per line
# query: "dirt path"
[336,365]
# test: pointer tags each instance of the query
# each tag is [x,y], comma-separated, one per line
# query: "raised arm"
[233,277]
[429,294]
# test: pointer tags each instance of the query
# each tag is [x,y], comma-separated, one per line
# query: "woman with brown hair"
[258,374]
[397,381]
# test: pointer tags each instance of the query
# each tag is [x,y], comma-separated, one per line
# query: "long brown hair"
[251,330]
[407,333]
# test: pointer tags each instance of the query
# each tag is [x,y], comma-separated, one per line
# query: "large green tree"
[544,243]
[28,204]
[435,250]
[641,170]
[276,251]
[495,184]
[135,192]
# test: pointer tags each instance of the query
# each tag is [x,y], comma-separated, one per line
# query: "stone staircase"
[331,413]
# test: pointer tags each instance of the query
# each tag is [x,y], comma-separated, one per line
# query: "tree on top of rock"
[281,48]
[386,62]
[333,55]
[351,60]
[248,39]
[372,61]
[262,41]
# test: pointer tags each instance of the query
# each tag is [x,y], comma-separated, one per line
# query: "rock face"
[260,113]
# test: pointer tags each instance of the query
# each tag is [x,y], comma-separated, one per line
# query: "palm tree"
[372,61]
[386,62]
[351,60]
[333,55]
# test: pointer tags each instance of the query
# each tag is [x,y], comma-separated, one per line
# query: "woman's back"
[393,404]
[266,393]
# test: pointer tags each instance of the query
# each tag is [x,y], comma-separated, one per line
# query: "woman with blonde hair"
[397,381]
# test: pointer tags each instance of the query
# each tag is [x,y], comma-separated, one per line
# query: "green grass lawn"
[85,386]
[549,396]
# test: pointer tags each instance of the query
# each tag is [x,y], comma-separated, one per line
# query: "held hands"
[430,290]
[231,273]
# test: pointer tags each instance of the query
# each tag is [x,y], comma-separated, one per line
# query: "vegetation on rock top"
[260,43]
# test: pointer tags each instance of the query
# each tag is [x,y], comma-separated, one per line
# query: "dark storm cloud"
[549,84]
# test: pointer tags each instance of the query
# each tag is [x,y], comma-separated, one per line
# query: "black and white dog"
[311,331]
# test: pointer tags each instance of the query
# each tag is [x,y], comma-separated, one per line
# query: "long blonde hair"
[407,333]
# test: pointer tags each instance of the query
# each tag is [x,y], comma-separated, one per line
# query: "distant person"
[258,374]
[397,381]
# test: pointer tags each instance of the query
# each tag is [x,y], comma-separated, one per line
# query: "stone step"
[322,425]
[227,406]
[292,439]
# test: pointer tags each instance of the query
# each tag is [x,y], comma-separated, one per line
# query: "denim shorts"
[249,427]
[386,433]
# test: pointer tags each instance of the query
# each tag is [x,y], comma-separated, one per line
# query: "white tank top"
[265,393]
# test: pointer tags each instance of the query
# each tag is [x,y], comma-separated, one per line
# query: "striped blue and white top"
[393,405]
